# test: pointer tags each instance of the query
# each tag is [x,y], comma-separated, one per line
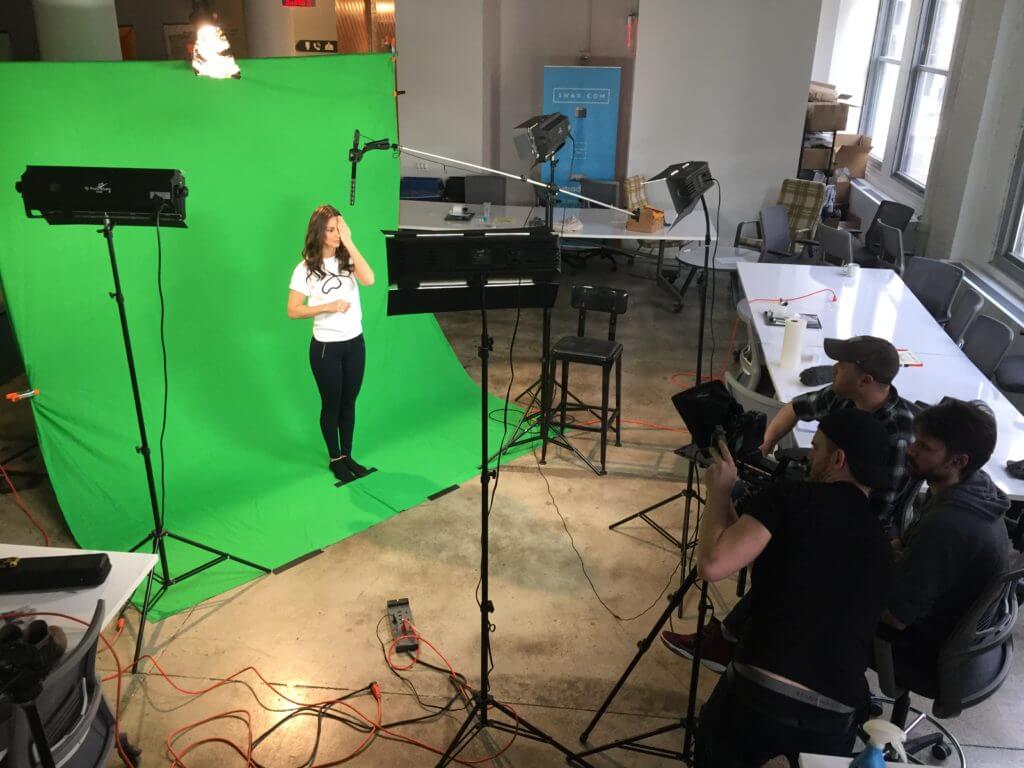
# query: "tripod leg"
[691,704]
[618,400]
[675,600]
[214,551]
[143,615]
[465,734]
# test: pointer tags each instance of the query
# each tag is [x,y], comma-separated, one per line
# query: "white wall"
[724,82]
[440,68]
[825,43]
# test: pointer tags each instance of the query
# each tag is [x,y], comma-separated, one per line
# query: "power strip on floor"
[399,612]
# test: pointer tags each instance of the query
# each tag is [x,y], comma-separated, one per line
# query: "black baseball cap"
[876,357]
[865,443]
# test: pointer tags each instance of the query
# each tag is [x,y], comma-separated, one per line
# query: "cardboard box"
[822,92]
[651,221]
[823,116]
[852,151]
[842,191]
[815,158]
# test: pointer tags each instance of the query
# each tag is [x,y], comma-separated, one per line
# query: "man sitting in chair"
[956,545]
[823,568]
[861,378]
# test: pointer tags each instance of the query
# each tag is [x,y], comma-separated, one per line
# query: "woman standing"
[324,287]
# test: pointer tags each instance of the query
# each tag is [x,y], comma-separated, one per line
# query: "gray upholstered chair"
[966,307]
[934,283]
[986,342]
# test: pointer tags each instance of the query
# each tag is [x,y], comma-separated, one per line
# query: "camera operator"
[823,568]
[861,378]
[957,544]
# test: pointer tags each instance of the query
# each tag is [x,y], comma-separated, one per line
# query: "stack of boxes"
[839,157]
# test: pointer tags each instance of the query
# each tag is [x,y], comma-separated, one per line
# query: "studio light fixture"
[539,138]
[211,53]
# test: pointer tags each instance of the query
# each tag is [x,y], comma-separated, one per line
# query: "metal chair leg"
[606,374]
[565,390]
[618,400]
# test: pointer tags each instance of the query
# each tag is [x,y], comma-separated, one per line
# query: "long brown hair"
[313,250]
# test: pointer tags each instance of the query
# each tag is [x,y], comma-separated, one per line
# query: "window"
[907,82]
[1011,239]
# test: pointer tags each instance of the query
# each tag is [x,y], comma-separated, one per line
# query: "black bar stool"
[588,350]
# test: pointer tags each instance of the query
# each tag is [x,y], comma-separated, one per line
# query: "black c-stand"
[687,544]
[405,299]
[159,532]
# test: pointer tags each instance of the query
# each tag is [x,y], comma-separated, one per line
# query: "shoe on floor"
[715,652]
[340,471]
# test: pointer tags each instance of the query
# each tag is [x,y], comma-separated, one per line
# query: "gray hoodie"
[958,544]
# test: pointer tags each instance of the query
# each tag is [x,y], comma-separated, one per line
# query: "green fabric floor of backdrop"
[246,469]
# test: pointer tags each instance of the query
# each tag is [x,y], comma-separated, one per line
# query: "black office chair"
[966,307]
[77,720]
[578,252]
[973,663]
[888,212]
[454,189]
[934,283]
[891,254]
[485,189]
[588,350]
[776,245]
[986,342]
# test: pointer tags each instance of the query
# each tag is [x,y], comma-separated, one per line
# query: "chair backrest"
[978,654]
[891,246]
[755,401]
[636,192]
[889,212]
[966,307]
[935,283]
[454,189]
[986,341]
[803,201]
[605,191]
[599,299]
[775,237]
[836,244]
[485,189]
[78,723]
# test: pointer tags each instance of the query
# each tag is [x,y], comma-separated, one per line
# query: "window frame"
[920,25]
[1012,228]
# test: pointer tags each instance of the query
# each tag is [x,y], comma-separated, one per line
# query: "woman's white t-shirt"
[334,285]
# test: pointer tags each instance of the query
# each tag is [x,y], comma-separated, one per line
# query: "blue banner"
[589,97]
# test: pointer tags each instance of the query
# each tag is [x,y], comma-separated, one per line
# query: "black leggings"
[338,369]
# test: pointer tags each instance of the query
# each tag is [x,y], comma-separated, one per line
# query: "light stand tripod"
[689,721]
[478,718]
[159,533]
[688,492]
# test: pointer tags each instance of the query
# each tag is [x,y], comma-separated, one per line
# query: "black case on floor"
[24,574]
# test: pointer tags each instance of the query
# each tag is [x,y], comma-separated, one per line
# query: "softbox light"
[679,188]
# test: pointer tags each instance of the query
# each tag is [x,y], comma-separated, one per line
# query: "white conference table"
[127,570]
[597,224]
[878,303]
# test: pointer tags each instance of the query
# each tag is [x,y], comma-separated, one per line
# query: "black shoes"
[347,469]
[355,467]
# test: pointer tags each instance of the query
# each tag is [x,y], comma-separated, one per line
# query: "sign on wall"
[589,97]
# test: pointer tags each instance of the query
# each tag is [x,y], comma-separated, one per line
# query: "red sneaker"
[715,652]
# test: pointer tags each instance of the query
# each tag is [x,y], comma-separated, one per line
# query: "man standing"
[823,568]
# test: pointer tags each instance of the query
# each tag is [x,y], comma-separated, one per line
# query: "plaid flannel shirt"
[896,415]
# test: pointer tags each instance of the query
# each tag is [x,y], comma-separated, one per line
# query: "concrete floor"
[557,650]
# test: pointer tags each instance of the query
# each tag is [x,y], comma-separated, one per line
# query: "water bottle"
[486,218]
[880,733]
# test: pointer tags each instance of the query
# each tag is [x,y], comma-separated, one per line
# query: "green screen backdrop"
[246,468]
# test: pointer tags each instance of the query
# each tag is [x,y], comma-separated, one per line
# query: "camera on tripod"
[711,414]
